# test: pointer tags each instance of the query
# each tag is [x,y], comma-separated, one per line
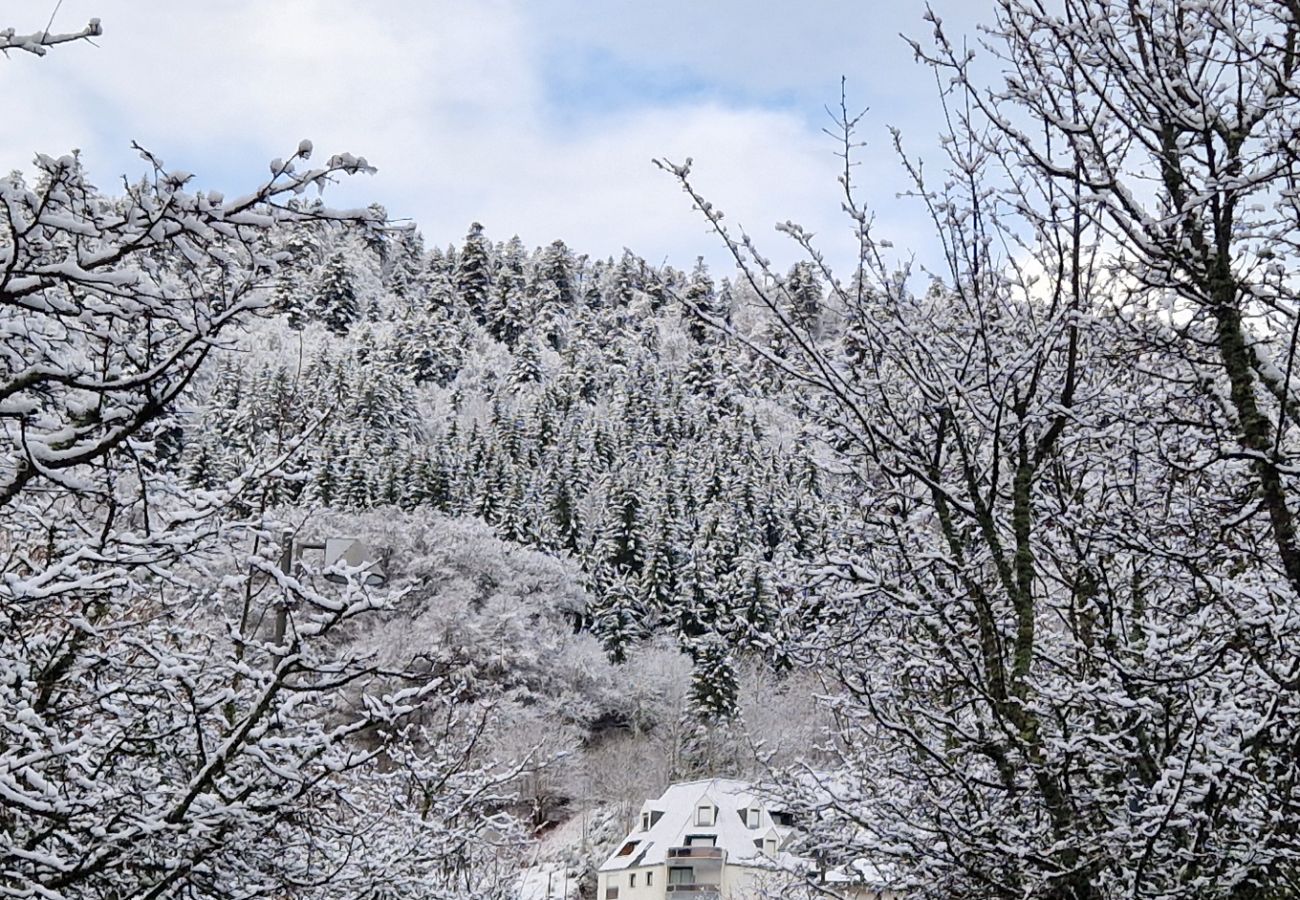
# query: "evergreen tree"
[555,276]
[375,235]
[527,368]
[337,305]
[357,489]
[509,313]
[803,289]
[659,288]
[299,250]
[473,274]
[626,280]
[326,485]
[553,292]
[441,298]
[286,298]
[617,616]
[624,533]
[565,515]
[703,298]
[405,275]
[435,477]
[714,685]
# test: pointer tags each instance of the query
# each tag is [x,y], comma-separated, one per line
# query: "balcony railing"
[696,852]
[702,891]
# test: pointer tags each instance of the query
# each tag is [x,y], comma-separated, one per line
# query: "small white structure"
[706,840]
[354,553]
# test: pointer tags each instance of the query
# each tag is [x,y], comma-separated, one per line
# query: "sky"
[534,117]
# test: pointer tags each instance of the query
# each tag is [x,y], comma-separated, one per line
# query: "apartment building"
[705,840]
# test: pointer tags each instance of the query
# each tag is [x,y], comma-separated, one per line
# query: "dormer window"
[704,814]
[645,821]
[752,818]
[769,846]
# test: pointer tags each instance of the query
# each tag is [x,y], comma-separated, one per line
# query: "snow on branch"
[109,306]
[39,42]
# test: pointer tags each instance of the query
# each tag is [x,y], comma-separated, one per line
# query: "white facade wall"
[734,883]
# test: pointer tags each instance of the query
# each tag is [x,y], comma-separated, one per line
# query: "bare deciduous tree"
[153,743]
[1066,630]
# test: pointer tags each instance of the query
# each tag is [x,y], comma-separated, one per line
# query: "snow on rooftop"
[678,821]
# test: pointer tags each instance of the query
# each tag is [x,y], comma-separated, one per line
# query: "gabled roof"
[677,821]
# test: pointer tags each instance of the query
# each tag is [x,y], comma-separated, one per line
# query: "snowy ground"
[569,850]
[548,881]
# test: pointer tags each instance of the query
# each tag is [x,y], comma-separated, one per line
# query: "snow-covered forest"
[987,571]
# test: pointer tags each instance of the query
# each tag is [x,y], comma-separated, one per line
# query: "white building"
[711,840]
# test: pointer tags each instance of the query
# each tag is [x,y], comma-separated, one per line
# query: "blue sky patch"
[585,84]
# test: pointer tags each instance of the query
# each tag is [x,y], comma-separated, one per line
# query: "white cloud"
[449,100]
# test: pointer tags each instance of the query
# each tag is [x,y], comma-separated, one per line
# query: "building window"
[681,875]
[752,818]
[704,814]
[626,849]
[611,892]
[701,840]
[631,880]
[649,879]
[770,846]
[645,821]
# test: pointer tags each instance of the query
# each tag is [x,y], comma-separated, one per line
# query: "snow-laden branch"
[108,307]
[39,42]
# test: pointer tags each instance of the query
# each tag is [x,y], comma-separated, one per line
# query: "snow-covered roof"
[677,821]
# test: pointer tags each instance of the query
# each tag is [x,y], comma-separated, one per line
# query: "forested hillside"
[575,406]
[588,517]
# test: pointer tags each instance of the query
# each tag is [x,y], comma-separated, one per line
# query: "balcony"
[696,853]
[702,891]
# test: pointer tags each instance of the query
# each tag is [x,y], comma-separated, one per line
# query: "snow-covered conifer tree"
[473,277]
[335,295]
